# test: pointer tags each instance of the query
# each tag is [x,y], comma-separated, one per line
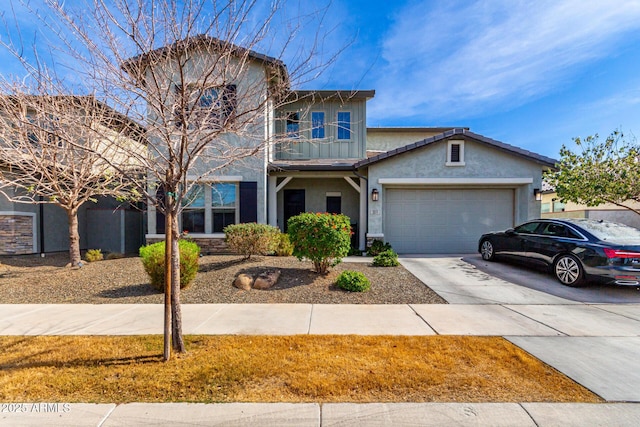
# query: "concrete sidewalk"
[330,414]
[597,345]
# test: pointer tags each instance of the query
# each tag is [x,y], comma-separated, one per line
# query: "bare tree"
[52,148]
[190,72]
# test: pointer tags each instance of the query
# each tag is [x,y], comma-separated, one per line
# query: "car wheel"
[568,271]
[486,249]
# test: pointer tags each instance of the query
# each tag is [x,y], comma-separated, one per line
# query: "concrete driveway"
[537,278]
[460,282]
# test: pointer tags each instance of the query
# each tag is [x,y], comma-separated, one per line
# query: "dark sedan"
[576,250]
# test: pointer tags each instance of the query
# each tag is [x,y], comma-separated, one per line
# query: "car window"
[559,230]
[528,228]
[611,231]
[553,229]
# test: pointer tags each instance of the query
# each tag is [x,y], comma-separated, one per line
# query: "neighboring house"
[552,207]
[107,224]
[424,190]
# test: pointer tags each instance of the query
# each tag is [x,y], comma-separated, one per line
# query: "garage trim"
[455,181]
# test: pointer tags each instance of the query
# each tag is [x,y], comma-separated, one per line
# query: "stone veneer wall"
[207,245]
[16,235]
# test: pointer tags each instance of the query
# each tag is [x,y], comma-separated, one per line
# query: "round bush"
[386,259]
[153,261]
[353,281]
[322,238]
[93,255]
[251,238]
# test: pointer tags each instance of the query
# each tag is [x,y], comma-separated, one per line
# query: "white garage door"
[444,221]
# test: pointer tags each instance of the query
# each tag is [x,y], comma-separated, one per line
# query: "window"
[344,125]
[455,153]
[545,207]
[223,203]
[209,208]
[558,206]
[193,214]
[293,124]
[528,228]
[214,108]
[317,124]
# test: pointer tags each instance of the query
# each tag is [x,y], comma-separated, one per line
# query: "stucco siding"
[316,196]
[481,162]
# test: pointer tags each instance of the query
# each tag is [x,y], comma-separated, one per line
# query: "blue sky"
[528,73]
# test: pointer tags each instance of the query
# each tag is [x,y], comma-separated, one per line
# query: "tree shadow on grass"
[79,363]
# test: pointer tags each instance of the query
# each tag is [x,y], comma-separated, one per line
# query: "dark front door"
[293,204]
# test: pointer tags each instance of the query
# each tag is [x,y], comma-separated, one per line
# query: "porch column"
[362,228]
[272,201]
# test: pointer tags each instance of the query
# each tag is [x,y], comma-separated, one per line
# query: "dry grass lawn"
[279,369]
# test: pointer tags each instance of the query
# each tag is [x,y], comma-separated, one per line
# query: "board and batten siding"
[329,147]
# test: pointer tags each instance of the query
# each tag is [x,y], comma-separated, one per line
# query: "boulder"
[266,280]
[243,281]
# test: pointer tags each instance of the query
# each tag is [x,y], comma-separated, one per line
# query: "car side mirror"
[510,231]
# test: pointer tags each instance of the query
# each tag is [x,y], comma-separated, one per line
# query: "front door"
[293,204]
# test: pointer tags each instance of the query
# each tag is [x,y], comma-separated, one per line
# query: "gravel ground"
[35,280]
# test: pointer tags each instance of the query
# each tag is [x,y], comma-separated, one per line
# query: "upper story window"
[344,125]
[455,153]
[317,125]
[210,108]
[293,124]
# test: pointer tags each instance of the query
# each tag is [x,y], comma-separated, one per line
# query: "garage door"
[444,221]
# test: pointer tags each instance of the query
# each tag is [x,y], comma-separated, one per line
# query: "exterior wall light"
[375,195]
[537,194]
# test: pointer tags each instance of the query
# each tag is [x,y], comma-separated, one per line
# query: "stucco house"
[424,190]
[107,224]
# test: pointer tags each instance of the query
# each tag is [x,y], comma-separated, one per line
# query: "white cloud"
[459,59]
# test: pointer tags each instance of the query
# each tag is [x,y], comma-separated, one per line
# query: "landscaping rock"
[243,281]
[266,280]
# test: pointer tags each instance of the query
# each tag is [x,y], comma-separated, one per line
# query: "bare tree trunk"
[74,237]
[177,339]
[167,288]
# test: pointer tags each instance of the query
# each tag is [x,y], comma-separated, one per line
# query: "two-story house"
[424,190]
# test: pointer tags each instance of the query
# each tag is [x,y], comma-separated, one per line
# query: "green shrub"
[93,255]
[353,281]
[285,247]
[386,259]
[153,262]
[251,238]
[322,238]
[377,247]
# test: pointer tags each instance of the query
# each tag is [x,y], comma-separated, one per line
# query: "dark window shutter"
[455,153]
[248,201]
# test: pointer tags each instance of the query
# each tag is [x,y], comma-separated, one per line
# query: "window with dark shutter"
[455,153]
